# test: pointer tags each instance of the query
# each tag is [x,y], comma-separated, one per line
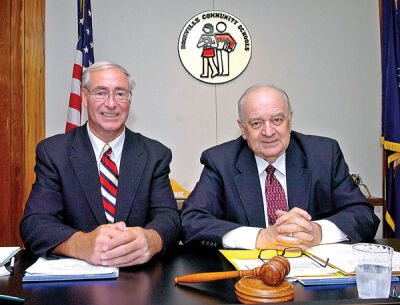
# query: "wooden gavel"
[272,273]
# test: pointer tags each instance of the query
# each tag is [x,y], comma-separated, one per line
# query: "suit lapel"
[298,178]
[133,160]
[248,186]
[84,163]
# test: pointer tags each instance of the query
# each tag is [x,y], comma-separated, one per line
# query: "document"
[341,257]
[340,268]
[6,253]
[299,266]
[66,269]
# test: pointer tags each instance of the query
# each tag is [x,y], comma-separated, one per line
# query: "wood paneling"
[34,85]
[22,103]
[17,118]
[5,105]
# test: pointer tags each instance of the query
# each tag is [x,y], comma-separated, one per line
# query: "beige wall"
[325,54]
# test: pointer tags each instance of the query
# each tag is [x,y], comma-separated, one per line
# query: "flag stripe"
[77,72]
[75,101]
[74,116]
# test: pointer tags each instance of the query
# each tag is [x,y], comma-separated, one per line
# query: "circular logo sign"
[214,47]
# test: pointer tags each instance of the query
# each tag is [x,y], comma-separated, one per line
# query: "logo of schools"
[214,47]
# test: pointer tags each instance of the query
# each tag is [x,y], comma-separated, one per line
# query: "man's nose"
[110,101]
[268,129]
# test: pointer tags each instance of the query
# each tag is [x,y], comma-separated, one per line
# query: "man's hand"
[133,246]
[112,245]
[292,229]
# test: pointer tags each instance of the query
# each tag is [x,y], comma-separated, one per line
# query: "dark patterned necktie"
[274,194]
[109,183]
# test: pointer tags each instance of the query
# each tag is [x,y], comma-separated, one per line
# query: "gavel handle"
[214,276]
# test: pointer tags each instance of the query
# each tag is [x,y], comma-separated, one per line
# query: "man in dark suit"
[306,198]
[124,217]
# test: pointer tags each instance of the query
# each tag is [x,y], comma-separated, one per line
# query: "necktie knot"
[107,150]
[270,169]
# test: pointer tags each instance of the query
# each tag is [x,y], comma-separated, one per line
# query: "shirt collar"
[116,144]
[279,164]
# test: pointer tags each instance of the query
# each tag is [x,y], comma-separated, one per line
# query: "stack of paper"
[6,253]
[299,266]
[340,268]
[67,269]
[341,256]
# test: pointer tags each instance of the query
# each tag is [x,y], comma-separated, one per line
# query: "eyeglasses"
[100,95]
[292,252]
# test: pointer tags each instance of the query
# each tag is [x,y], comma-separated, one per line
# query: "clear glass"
[373,270]
[100,95]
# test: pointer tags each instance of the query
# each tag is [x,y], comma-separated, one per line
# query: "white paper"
[4,271]
[342,257]
[6,253]
[299,266]
[67,266]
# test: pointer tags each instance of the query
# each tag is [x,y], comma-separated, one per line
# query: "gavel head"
[273,272]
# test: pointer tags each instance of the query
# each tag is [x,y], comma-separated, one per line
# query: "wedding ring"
[290,234]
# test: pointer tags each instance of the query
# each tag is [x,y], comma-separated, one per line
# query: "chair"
[374,201]
[179,192]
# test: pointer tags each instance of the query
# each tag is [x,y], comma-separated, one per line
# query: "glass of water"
[373,270]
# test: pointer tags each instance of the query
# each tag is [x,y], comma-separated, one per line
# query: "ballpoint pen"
[11,267]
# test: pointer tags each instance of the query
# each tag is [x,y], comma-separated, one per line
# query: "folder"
[67,269]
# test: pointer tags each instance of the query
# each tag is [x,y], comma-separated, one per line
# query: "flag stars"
[88,31]
[86,50]
[89,12]
[91,45]
[81,21]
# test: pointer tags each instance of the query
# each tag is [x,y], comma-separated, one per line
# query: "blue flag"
[391,108]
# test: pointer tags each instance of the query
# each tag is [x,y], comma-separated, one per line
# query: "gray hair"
[254,89]
[102,65]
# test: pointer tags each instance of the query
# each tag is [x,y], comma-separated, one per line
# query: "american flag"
[84,57]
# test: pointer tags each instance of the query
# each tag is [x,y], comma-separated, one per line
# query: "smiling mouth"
[109,115]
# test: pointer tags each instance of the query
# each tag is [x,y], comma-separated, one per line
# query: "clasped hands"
[304,232]
[112,245]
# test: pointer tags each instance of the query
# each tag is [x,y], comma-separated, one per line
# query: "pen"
[11,267]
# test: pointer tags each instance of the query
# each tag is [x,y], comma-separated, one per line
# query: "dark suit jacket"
[66,196]
[228,194]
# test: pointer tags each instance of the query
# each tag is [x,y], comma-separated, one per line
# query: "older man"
[102,192]
[274,187]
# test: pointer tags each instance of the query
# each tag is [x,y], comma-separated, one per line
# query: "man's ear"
[242,129]
[290,120]
[84,97]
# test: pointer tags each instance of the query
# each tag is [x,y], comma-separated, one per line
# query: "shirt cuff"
[330,232]
[242,238]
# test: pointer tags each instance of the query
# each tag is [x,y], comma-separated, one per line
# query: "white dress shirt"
[245,237]
[116,145]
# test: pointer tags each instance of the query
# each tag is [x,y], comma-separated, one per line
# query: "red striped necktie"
[109,183]
[274,194]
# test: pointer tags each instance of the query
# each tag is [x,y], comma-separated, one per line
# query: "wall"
[325,54]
